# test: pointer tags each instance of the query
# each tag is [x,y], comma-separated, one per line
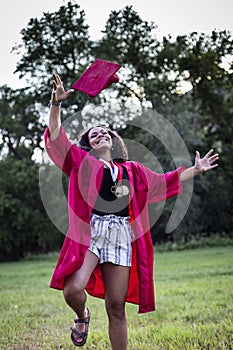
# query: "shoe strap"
[82,320]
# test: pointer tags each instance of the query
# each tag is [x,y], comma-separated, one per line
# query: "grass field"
[194,292]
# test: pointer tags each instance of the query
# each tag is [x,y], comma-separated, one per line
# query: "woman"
[108,249]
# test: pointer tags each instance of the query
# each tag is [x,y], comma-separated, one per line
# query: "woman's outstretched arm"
[206,163]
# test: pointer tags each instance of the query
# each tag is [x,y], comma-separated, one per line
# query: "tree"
[212,92]
[25,227]
[21,127]
[57,42]
[131,42]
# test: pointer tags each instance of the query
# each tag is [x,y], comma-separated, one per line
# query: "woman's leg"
[116,280]
[74,286]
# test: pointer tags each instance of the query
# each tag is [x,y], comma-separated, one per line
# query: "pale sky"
[171,17]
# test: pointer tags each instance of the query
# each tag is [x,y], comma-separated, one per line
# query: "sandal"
[81,336]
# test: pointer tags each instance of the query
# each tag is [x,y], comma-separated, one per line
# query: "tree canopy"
[152,75]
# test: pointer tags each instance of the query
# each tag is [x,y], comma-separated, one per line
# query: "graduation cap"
[98,76]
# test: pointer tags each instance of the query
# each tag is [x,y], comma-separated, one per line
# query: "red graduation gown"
[85,176]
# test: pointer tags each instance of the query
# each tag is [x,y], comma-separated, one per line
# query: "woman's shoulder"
[132,165]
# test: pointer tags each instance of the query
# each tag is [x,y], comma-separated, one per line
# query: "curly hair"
[119,150]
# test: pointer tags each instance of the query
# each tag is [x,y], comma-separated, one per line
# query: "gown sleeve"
[162,186]
[62,152]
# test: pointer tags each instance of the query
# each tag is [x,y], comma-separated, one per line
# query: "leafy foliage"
[24,224]
[21,126]
[56,43]
[152,76]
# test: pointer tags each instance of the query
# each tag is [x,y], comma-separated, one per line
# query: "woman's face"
[99,139]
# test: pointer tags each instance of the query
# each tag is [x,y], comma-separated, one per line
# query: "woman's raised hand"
[59,94]
[206,163]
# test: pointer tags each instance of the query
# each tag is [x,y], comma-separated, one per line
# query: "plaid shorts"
[111,239]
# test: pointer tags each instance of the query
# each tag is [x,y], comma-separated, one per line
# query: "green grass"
[194,292]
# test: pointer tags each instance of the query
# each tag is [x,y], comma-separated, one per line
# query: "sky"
[171,17]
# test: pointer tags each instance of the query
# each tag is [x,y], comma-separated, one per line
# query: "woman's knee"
[116,309]
[72,289]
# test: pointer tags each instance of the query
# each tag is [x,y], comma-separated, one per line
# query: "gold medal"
[120,190]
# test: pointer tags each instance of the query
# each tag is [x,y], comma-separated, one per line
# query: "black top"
[107,203]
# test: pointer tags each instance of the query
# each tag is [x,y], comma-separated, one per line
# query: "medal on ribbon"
[119,188]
